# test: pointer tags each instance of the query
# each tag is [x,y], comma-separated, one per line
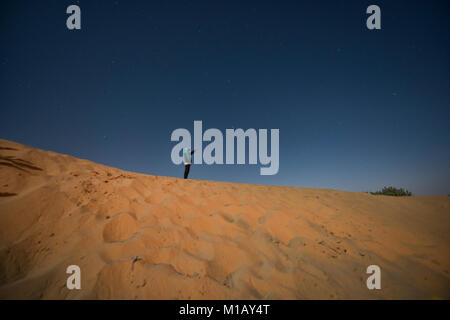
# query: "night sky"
[357,109]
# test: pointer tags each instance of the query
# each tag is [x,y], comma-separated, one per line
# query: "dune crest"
[138,236]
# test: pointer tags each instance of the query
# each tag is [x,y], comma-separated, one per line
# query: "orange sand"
[139,236]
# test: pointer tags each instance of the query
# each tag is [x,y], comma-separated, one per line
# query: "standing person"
[187,160]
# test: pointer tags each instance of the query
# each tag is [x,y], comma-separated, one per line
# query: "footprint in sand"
[241,222]
[227,218]
[120,228]
[213,213]
[297,242]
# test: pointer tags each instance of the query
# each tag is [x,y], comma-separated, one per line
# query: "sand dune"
[138,236]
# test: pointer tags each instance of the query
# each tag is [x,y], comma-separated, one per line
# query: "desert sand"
[138,236]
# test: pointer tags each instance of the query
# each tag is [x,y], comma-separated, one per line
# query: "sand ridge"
[139,236]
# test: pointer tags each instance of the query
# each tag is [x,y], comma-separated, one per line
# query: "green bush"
[395,192]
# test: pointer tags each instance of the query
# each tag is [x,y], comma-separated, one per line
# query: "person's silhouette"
[187,160]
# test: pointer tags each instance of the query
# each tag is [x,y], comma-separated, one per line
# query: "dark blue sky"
[357,109]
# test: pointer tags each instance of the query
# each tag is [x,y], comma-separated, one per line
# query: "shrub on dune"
[392,191]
